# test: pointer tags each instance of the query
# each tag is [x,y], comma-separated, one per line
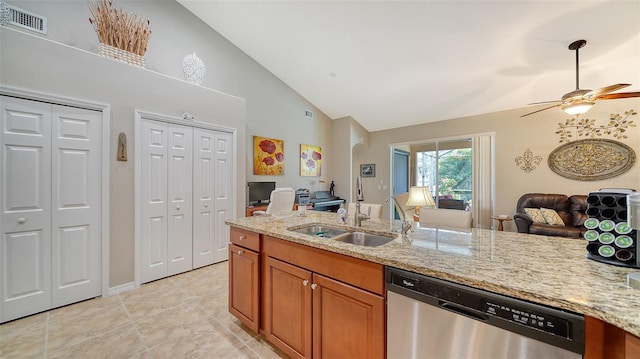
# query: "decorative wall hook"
[122,147]
[528,162]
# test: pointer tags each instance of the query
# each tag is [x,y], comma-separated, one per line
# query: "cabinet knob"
[22,220]
[206,205]
[314,286]
[178,207]
[240,252]
[240,238]
[305,282]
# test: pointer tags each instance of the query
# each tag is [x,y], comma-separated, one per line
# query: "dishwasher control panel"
[532,319]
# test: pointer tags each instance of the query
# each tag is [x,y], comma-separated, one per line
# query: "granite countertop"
[548,270]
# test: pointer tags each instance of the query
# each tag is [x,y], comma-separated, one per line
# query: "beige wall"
[513,136]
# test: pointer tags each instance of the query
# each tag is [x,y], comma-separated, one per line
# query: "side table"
[501,220]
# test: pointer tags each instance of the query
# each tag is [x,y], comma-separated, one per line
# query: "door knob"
[178,208]
[206,205]
[22,220]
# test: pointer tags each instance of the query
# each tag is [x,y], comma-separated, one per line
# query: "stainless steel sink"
[363,239]
[344,235]
[320,231]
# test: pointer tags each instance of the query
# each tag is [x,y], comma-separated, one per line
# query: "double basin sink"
[344,235]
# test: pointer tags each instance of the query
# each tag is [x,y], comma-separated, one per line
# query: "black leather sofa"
[570,208]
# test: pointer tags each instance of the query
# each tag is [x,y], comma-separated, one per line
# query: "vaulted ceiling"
[396,63]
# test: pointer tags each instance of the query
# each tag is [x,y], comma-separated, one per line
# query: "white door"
[76,204]
[50,195]
[153,188]
[25,249]
[204,221]
[180,252]
[224,195]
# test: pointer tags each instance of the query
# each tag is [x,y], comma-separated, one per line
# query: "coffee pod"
[624,255]
[591,235]
[591,223]
[623,228]
[607,225]
[606,238]
[606,251]
[623,241]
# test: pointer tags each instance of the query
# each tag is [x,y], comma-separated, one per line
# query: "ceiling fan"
[580,101]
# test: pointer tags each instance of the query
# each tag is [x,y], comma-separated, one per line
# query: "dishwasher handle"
[462,310]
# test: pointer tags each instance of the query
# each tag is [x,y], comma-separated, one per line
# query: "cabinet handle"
[240,252]
[314,286]
[22,220]
[305,282]
[241,238]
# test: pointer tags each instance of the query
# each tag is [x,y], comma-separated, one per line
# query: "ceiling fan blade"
[613,96]
[542,109]
[543,102]
[604,90]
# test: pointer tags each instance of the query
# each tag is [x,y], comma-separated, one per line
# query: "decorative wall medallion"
[592,159]
[528,162]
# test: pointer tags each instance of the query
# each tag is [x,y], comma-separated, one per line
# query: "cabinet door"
[244,286]
[179,199]
[288,308]
[25,200]
[347,322]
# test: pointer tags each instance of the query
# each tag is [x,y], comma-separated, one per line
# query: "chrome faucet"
[406,225]
[358,217]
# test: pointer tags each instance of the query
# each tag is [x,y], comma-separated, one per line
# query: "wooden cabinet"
[308,314]
[244,277]
[606,341]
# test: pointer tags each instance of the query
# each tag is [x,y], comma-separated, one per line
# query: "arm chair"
[280,202]
[442,217]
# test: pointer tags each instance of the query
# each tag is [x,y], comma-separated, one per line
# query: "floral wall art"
[310,160]
[268,156]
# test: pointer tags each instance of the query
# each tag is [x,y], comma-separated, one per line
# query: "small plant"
[119,29]
[587,128]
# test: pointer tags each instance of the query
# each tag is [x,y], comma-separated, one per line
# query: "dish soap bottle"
[342,214]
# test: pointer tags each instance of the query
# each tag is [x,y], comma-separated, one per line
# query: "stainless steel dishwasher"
[429,318]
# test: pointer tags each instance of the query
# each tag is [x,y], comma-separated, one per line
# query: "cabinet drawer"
[246,239]
[356,272]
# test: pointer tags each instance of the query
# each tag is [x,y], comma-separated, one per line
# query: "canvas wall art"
[310,160]
[268,156]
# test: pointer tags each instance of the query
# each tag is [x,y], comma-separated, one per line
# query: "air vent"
[308,114]
[27,20]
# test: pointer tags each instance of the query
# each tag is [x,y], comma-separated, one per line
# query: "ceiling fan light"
[578,108]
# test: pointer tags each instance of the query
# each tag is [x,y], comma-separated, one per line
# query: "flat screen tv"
[260,192]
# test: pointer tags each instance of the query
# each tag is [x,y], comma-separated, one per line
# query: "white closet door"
[76,204]
[25,197]
[180,248]
[203,193]
[224,195]
[153,194]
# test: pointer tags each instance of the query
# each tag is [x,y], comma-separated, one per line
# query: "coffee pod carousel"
[612,236]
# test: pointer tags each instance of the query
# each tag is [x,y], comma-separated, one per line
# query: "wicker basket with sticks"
[123,36]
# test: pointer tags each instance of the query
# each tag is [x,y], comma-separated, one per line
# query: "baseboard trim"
[122,288]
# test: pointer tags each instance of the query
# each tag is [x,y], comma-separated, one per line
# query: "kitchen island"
[545,270]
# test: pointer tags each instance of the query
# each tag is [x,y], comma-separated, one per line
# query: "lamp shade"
[578,108]
[420,197]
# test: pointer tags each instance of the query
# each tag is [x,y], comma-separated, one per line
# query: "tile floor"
[184,316]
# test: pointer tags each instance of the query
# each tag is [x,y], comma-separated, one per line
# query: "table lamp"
[419,197]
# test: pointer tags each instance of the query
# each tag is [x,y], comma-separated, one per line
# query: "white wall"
[261,103]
